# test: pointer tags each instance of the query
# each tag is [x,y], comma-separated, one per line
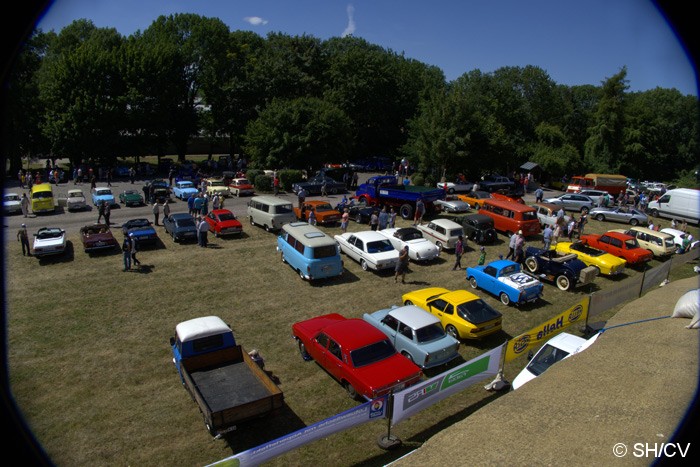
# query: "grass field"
[91,368]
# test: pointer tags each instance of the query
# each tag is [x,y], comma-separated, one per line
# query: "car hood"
[519,281]
[388,371]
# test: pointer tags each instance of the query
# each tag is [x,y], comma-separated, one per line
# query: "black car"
[313,186]
[156,190]
[566,271]
[181,227]
[359,213]
[493,183]
[478,228]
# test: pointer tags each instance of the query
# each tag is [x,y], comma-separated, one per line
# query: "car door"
[438,307]
[490,280]
[333,360]
[614,245]
[356,248]
[390,326]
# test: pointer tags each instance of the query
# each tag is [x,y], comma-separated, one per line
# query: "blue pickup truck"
[386,191]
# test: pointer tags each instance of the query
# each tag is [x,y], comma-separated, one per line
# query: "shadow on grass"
[143,268]
[261,430]
[346,278]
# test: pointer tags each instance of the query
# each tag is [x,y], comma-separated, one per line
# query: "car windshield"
[187,185]
[185,222]
[477,312]
[42,194]
[226,216]
[76,194]
[430,333]
[323,207]
[131,192]
[103,192]
[668,242]
[138,223]
[11,198]
[379,246]
[216,183]
[49,233]
[548,356]
[326,251]
[372,353]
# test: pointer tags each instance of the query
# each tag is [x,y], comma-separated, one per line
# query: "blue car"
[103,194]
[416,334]
[141,231]
[183,189]
[505,280]
[181,227]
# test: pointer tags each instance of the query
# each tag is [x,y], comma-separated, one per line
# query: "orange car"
[325,213]
[475,198]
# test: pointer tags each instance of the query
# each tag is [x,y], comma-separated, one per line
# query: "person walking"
[420,210]
[323,188]
[570,228]
[556,233]
[539,194]
[383,220]
[126,253]
[109,177]
[166,209]
[23,237]
[459,249]
[132,174]
[547,236]
[354,180]
[582,221]
[215,201]
[511,246]
[134,249]
[156,211]
[301,196]
[344,219]
[520,248]
[312,217]
[276,185]
[24,203]
[402,265]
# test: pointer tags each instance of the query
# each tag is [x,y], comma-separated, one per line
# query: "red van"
[509,216]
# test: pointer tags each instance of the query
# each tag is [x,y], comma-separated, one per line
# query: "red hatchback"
[223,223]
[619,244]
[356,354]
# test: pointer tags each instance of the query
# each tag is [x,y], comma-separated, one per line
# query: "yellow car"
[605,262]
[462,314]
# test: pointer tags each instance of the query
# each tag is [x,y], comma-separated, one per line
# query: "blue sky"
[574,41]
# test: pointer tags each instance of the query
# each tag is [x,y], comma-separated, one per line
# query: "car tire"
[284,260]
[352,392]
[252,222]
[531,264]
[452,331]
[408,356]
[584,210]
[451,191]
[406,211]
[655,212]
[364,265]
[267,228]
[563,283]
[439,246]
[600,217]
[408,302]
[505,299]
[358,218]
[302,351]
[472,283]
[634,222]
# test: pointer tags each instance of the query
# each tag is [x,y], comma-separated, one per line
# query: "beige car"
[217,186]
[661,244]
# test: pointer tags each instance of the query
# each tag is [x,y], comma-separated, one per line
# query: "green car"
[131,198]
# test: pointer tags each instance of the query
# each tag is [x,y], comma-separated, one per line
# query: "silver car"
[620,214]
[573,202]
[452,205]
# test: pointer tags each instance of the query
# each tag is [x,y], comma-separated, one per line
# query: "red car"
[356,354]
[619,244]
[223,223]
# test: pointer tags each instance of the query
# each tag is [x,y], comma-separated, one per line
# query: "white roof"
[200,327]
[446,223]
[413,316]
[366,235]
[75,192]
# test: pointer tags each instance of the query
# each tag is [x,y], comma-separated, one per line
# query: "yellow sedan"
[605,262]
[462,314]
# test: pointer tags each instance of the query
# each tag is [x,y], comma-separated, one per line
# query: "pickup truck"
[227,384]
[386,191]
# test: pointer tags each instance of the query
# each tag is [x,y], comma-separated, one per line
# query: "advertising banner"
[519,345]
[424,394]
[372,410]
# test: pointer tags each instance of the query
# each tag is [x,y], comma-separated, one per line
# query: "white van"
[679,203]
[270,212]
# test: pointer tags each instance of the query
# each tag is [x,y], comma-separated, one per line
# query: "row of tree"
[298,102]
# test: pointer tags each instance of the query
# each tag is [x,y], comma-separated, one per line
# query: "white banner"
[372,410]
[422,395]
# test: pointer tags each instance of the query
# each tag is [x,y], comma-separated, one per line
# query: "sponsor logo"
[575,313]
[521,343]
[550,328]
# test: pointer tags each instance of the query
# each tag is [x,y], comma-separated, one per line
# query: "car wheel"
[301,274]
[531,264]
[364,265]
[302,350]
[358,218]
[655,212]
[563,283]
[267,228]
[472,282]
[505,299]
[284,260]
[451,191]
[439,245]
[408,302]
[408,356]
[406,212]
[251,221]
[600,217]
[634,222]
[352,392]
[584,210]
[452,331]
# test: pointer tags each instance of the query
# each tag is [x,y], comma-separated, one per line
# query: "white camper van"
[679,203]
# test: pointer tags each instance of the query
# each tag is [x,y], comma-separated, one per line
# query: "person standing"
[276,185]
[482,257]
[459,249]
[190,204]
[107,212]
[539,194]
[132,174]
[23,237]
[402,265]
[420,210]
[374,220]
[323,188]
[392,218]
[24,203]
[202,230]
[166,209]
[383,220]
[511,246]
[556,233]
[101,211]
[547,236]
[519,248]
[354,180]
[582,221]
[301,196]
[215,201]
[126,253]
[134,249]
[156,211]
[344,219]
[79,177]
[109,177]
[570,229]
[312,217]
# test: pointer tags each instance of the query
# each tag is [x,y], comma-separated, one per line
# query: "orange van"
[509,217]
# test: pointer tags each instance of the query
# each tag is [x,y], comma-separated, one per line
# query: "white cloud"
[350,28]
[255,20]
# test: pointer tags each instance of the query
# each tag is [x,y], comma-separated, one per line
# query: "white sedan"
[11,203]
[419,248]
[76,200]
[678,236]
[49,241]
[369,248]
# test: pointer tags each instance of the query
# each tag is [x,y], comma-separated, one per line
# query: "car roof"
[354,333]
[647,230]
[368,235]
[459,296]
[200,327]
[568,342]
[553,207]
[447,223]
[413,316]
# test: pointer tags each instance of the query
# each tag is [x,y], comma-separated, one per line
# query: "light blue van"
[310,252]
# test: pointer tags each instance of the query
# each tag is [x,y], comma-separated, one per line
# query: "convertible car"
[606,263]
[141,231]
[97,237]
[419,249]
[566,271]
[415,333]
[181,227]
[355,353]
[463,314]
[49,241]
[505,280]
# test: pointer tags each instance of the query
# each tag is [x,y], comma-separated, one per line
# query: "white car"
[419,248]
[465,187]
[454,206]
[11,203]
[49,241]
[556,349]
[678,239]
[442,232]
[369,248]
[76,200]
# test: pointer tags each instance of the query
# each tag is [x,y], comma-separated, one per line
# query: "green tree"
[553,153]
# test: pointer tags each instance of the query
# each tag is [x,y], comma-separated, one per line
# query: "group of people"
[380,220]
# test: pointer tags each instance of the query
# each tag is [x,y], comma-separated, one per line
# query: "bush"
[252,174]
[417,179]
[288,178]
[263,183]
